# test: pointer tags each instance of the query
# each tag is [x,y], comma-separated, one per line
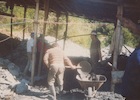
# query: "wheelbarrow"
[90,83]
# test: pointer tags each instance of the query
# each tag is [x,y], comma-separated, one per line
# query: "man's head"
[93,32]
[32,35]
[55,45]
[41,35]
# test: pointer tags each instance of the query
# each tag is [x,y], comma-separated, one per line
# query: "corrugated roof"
[102,10]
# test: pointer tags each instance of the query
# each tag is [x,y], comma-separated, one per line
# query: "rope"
[70,37]
[9,37]
[14,23]
[52,22]
[5,39]
[127,49]
[18,18]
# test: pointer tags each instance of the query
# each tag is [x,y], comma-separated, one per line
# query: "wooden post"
[35,39]
[11,23]
[24,25]
[46,8]
[65,33]
[57,20]
[116,43]
[11,26]
[117,38]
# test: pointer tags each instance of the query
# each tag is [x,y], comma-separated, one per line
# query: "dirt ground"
[72,90]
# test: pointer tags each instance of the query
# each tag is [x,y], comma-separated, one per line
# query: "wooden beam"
[104,2]
[46,13]
[24,25]
[117,38]
[114,3]
[132,10]
[65,33]
[116,45]
[35,40]
[2,2]
[11,24]
[57,20]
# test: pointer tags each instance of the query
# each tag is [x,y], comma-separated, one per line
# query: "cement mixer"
[89,82]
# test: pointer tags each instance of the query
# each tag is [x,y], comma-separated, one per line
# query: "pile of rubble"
[9,79]
[13,85]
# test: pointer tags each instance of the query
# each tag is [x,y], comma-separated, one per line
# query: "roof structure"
[100,10]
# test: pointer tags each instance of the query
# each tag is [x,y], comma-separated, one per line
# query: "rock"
[1,61]
[25,81]
[13,69]
[6,95]
[9,77]
[6,62]
[21,88]
[37,78]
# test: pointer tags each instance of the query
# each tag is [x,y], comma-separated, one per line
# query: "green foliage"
[78,29]
[106,30]
[130,39]
[3,7]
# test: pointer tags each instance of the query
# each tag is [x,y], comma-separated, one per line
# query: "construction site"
[79,84]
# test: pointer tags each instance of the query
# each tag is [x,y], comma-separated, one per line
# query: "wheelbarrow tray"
[94,83]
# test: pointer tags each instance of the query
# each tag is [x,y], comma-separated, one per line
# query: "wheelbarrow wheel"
[89,93]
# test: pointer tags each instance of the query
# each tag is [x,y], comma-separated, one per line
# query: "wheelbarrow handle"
[77,67]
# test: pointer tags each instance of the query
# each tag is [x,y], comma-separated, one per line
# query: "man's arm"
[45,59]
[100,55]
[99,51]
[68,62]
[32,46]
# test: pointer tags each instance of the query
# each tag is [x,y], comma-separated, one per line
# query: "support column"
[24,25]
[46,8]
[35,39]
[11,26]
[57,20]
[11,8]
[65,33]
[116,52]
[118,31]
